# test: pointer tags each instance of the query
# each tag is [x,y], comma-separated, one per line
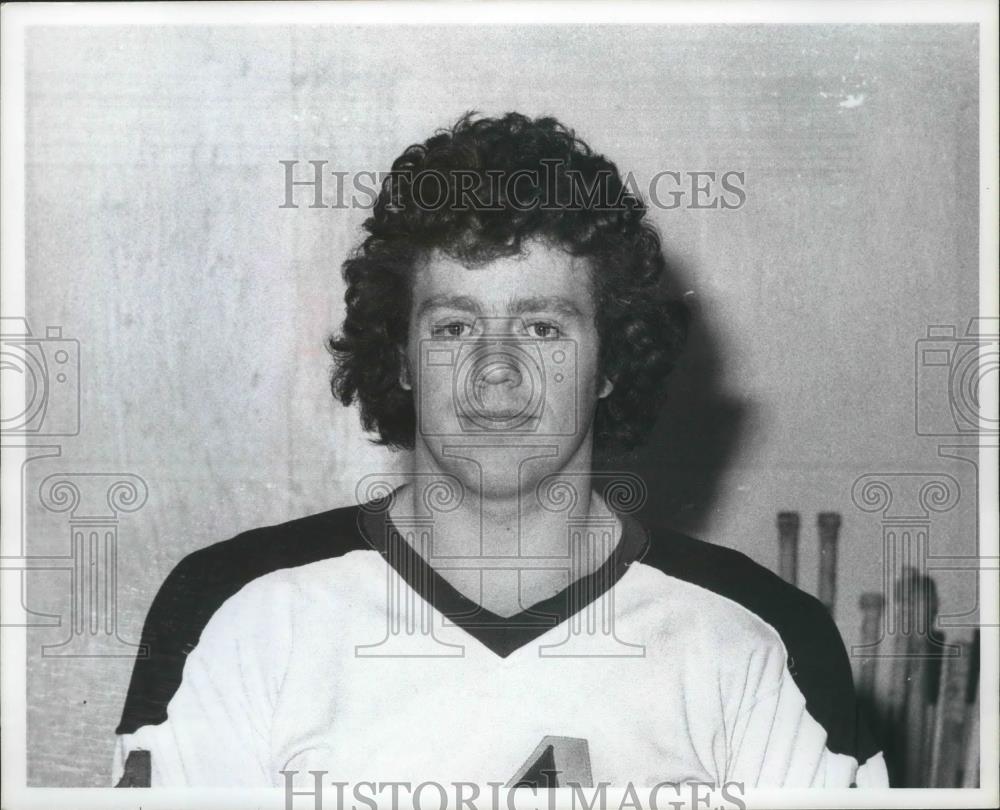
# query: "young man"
[496,615]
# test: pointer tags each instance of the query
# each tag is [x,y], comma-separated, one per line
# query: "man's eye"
[453,329]
[544,331]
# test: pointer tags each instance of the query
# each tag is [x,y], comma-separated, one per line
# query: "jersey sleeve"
[217,730]
[795,730]
[777,743]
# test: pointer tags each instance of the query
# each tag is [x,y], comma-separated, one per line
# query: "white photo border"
[18,17]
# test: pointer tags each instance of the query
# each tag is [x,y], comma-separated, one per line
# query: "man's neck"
[506,544]
[501,518]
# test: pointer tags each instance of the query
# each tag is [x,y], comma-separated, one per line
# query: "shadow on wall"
[686,456]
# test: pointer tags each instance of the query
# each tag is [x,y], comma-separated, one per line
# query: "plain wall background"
[155,238]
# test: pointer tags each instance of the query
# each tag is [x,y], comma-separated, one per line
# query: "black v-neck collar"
[501,634]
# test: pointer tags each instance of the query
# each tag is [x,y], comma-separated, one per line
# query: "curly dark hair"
[562,193]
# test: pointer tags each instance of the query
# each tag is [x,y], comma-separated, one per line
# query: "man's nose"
[505,375]
[500,389]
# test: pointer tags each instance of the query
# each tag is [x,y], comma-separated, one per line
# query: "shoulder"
[284,545]
[803,623]
[816,657]
[204,580]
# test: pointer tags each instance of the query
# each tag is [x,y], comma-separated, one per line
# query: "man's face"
[503,363]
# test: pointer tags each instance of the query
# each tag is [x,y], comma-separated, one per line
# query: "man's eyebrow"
[460,302]
[544,303]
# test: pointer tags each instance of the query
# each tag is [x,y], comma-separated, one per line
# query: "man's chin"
[498,467]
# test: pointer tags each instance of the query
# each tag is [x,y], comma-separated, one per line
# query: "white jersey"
[330,644]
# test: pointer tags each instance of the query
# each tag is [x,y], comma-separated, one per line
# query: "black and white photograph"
[499,405]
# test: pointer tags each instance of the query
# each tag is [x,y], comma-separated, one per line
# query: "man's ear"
[404,370]
[607,386]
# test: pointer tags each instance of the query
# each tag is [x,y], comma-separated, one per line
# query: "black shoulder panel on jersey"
[202,581]
[817,658]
